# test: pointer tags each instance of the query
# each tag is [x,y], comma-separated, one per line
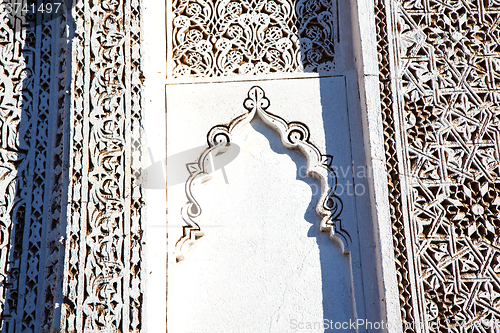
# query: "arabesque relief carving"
[294,135]
[219,38]
[102,286]
[447,103]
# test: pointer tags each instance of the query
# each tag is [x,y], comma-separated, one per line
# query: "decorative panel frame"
[228,55]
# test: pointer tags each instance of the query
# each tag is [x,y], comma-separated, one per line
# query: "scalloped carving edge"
[294,135]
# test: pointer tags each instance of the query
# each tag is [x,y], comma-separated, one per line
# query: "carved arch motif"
[294,135]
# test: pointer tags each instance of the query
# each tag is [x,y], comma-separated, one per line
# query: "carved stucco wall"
[70,126]
[439,85]
[219,38]
[439,64]
[102,276]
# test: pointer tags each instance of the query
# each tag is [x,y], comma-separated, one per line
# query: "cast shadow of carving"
[335,265]
[326,48]
[33,101]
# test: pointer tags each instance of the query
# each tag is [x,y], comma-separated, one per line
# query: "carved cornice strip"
[294,135]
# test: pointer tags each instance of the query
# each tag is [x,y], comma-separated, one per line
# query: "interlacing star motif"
[449,57]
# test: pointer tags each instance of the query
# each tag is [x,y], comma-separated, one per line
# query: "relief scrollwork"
[219,38]
[103,288]
[294,135]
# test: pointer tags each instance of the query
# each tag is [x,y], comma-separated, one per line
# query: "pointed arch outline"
[294,135]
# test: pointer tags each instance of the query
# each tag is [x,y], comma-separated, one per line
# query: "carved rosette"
[294,135]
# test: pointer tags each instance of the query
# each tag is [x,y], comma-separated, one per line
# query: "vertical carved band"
[446,101]
[32,113]
[102,278]
[392,165]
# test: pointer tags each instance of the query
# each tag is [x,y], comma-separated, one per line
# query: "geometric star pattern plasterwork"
[447,56]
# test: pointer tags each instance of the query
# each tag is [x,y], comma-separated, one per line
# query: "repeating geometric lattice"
[448,59]
[218,38]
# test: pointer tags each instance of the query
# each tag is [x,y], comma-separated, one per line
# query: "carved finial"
[256,99]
